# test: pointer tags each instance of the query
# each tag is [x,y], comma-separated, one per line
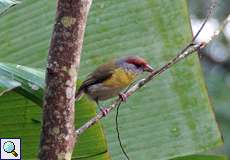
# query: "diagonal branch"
[188,50]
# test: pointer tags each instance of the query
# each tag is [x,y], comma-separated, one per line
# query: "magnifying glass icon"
[9,147]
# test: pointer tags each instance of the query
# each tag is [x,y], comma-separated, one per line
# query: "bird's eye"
[138,65]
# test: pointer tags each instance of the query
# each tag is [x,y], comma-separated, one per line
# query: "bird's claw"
[104,111]
[123,97]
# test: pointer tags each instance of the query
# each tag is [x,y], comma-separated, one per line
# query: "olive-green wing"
[101,74]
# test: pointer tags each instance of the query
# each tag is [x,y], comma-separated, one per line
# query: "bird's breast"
[120,78]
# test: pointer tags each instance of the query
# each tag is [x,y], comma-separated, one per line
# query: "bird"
[111,78]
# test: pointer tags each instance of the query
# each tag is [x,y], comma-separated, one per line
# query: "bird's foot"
[123,97]
[104,111]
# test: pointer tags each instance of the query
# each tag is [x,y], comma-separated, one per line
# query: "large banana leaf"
[26,111]
[170,117]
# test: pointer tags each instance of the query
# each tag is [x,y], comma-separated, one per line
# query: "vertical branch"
[58,136]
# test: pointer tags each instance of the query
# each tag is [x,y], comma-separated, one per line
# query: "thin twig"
[210,11]
[187,51]
[220,29]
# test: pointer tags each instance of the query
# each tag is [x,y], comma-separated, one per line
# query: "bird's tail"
[78,95]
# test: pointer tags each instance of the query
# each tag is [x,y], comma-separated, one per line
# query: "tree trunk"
[58,131]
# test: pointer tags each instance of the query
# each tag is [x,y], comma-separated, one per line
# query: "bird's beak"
[148,68]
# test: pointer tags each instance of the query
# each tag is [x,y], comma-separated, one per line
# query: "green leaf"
[7,85]
[31,80]
[203,157]
[26,123]
[170,117]
[6,4]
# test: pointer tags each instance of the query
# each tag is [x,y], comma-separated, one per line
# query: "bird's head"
[135,64]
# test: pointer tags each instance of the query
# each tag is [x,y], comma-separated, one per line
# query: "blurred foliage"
[217,73]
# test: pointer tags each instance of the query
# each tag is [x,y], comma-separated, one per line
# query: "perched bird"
[109,79]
